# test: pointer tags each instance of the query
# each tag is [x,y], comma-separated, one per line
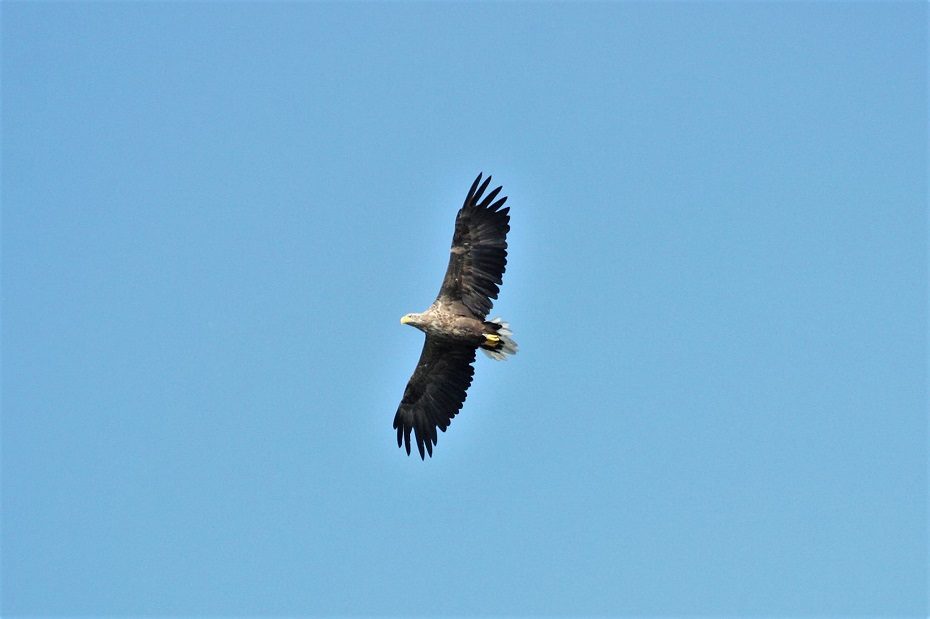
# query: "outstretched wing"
[435,393]
[479,250]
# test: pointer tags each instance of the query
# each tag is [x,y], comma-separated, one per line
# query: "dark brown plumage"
[478,256]
[455,324]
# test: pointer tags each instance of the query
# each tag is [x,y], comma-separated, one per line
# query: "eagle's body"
[455,324]
[451,321]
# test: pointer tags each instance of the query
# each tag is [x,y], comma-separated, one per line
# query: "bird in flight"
[455,324]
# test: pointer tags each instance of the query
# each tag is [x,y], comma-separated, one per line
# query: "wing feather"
[479,250]
[434,394]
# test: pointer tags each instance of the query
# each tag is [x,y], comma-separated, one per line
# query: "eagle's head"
[413,319]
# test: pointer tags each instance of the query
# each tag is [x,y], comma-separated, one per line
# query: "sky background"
[215,214]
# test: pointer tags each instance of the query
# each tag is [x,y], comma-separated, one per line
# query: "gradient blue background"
[215,214]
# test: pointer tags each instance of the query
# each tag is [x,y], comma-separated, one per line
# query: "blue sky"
[214,215]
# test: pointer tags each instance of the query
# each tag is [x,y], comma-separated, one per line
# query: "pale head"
[412,319]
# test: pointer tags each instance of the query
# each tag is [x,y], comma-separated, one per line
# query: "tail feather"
[500,345]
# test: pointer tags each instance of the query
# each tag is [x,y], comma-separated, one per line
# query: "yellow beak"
[405,319]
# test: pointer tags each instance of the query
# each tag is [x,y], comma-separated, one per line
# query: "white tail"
[507,346]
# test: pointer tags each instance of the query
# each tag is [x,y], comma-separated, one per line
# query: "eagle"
[455,324]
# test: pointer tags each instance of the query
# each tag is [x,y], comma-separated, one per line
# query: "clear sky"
[215,214]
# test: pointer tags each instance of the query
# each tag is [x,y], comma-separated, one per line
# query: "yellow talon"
[491,337]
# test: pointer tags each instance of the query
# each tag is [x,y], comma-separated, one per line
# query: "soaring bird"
[455,324]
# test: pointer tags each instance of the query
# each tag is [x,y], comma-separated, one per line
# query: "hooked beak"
[405,319]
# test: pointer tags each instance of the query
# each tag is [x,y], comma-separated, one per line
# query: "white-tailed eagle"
[455,324]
